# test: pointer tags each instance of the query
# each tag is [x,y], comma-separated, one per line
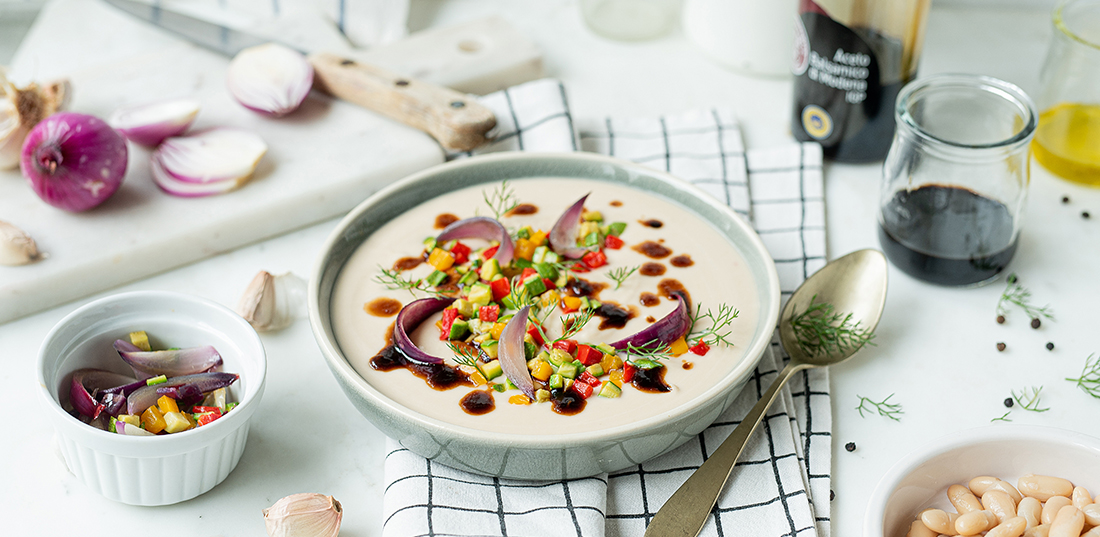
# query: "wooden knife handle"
[454,119]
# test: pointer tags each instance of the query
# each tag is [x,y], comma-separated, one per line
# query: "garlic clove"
[271,79]
[16,247]
[23,108]
[272,302]
[304,515]
[151,123]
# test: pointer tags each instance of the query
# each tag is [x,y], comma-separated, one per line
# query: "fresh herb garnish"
[647,357]
[501,200]
[464,355]
[1089,381]
[822,330]
[392,280]
[1003,417]
[1017,294]
[620,275]
[713,335]
[570,326]
[884,407]
[1028,399]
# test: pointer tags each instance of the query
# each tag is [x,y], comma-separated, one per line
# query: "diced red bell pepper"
[700,348]
[594,259]
[588,378]
[534,331]
[527,272]
[489,252]
[549,283]
[567,345]
[207,417]
[205,409]
[579,267]
[582,389]
[449,316]
[611,242]
[461,253]
[500,288]
[628,372]
[488,313]
[588,356]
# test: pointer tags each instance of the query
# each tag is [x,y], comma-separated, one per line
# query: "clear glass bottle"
[851,57]
[955,180]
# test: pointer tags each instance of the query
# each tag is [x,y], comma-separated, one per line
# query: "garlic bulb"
[21,109]
[304,515]
[272,302]
[16,247]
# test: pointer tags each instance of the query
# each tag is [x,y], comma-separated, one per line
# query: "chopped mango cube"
[140,340]
[167,404]
[153,419]
[441,259]
[678,347]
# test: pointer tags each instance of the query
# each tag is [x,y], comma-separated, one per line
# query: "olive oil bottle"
[1067,142]
[851,58]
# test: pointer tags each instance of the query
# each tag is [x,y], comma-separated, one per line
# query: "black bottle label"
[840,100]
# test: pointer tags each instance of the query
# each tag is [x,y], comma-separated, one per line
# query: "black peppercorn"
[1065,199]
[1050,346]
[831,495]
[1035,323]
[1001,347]
[1085,215]
[1000,319]
[1008,402]
[850,447]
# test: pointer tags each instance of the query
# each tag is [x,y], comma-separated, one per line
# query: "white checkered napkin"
[781,484]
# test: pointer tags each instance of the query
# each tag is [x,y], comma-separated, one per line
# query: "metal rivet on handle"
[347,62]
[402,83]
[457,104]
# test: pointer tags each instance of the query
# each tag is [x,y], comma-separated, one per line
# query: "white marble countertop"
[936,346]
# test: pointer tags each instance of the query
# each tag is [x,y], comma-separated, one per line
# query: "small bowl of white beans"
[995,481]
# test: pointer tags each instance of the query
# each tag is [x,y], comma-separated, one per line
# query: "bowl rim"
[986,434]
[339,364]
[170,444]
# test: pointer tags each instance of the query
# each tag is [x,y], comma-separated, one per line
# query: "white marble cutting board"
[322,160]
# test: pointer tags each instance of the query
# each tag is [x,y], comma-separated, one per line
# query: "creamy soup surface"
[718,275]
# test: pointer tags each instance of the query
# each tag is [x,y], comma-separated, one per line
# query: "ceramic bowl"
[163,469]
[538,456]
[919,481]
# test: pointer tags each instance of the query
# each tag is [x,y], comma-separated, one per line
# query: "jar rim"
[1060,22]
[995,86]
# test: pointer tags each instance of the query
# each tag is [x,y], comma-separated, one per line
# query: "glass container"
[630,20]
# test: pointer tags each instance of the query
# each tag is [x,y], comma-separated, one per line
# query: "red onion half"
[74,161]
[663,332]
[408,319]
[563,236]
[510,353]
[143,398]
[86,385]
[481,227]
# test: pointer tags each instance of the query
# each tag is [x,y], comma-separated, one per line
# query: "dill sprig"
[463,355]
[620,275]
[1004,417]
[1089,381]
[1017,294]
[571,325]
[392,280]
[884,407]
[820,329]
[647,357]
[1028,399]
[713,334]
[501,200]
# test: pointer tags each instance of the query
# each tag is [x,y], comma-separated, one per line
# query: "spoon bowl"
[854,284]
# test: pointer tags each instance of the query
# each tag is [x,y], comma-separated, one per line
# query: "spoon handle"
[685,512]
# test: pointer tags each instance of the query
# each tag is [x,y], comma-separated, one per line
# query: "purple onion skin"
[408,319]
[665,331]
[172,363]
[114,403]
[563,236]
[512,360]
[143,398]
[74,161]
[87,384]
[125,389]
[481,227]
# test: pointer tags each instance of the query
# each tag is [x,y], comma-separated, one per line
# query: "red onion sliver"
[563,236]
[481,227]
[270,79]
[222,154]
[168,183]
[513,361]
[408,319]
[665,331]
[114,403]
[172,363]
[87,383]
[121,427]
[149,124]
[145,397]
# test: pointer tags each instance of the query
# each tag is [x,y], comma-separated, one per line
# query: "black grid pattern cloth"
[781,484]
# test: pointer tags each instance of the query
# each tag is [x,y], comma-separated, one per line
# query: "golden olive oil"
[1067,142]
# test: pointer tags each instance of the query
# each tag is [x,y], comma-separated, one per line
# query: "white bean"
[918,529]
[979,485]
[963,500]
[1000,504]
[1042,530]
[1092,514]
[975,522]
[1031,510]
[1068,523]
[1013,527]
[1050,509]
[1094,532]
[1080,497]
[1007,487]
[940,521]
[1043,487]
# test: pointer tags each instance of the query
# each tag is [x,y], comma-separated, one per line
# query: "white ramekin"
[163,469]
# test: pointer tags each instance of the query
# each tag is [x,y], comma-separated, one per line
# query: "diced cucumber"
[459,329]
[499,387]
[469,278]
[530,350]
[546,270]
[559,357]
[159,379]
[646,363]
[616,228]
[592,216]
[592,239]
[521,263]
[465,308]
[524,233]
[605,348]
[589,227]
[534,285]
[542,396]
[568,371]
[490,348]
[596,370]
[436,278]
[610,390]
[475,326]
[429,244]
[492,369]
[489,269]
[555,381]
[480,294]
[539,255]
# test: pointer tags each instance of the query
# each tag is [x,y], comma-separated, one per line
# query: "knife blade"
[457,121]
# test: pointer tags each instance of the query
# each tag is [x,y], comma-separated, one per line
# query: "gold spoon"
[856,284]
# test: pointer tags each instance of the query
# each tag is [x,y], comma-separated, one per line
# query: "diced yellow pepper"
[587,228]
[167,404]
[175,422]
[473,373]
[153,419]
[140,340]
[496,330]
[538,238]
[441,259]
[542,370]
[611,361]
[130,419]
[549,298]
[617,377]
[525,249]
[592,216]
[571,303]
[678,347]
[519,399]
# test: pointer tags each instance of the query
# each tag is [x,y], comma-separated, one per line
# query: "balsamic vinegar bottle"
[851,57]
